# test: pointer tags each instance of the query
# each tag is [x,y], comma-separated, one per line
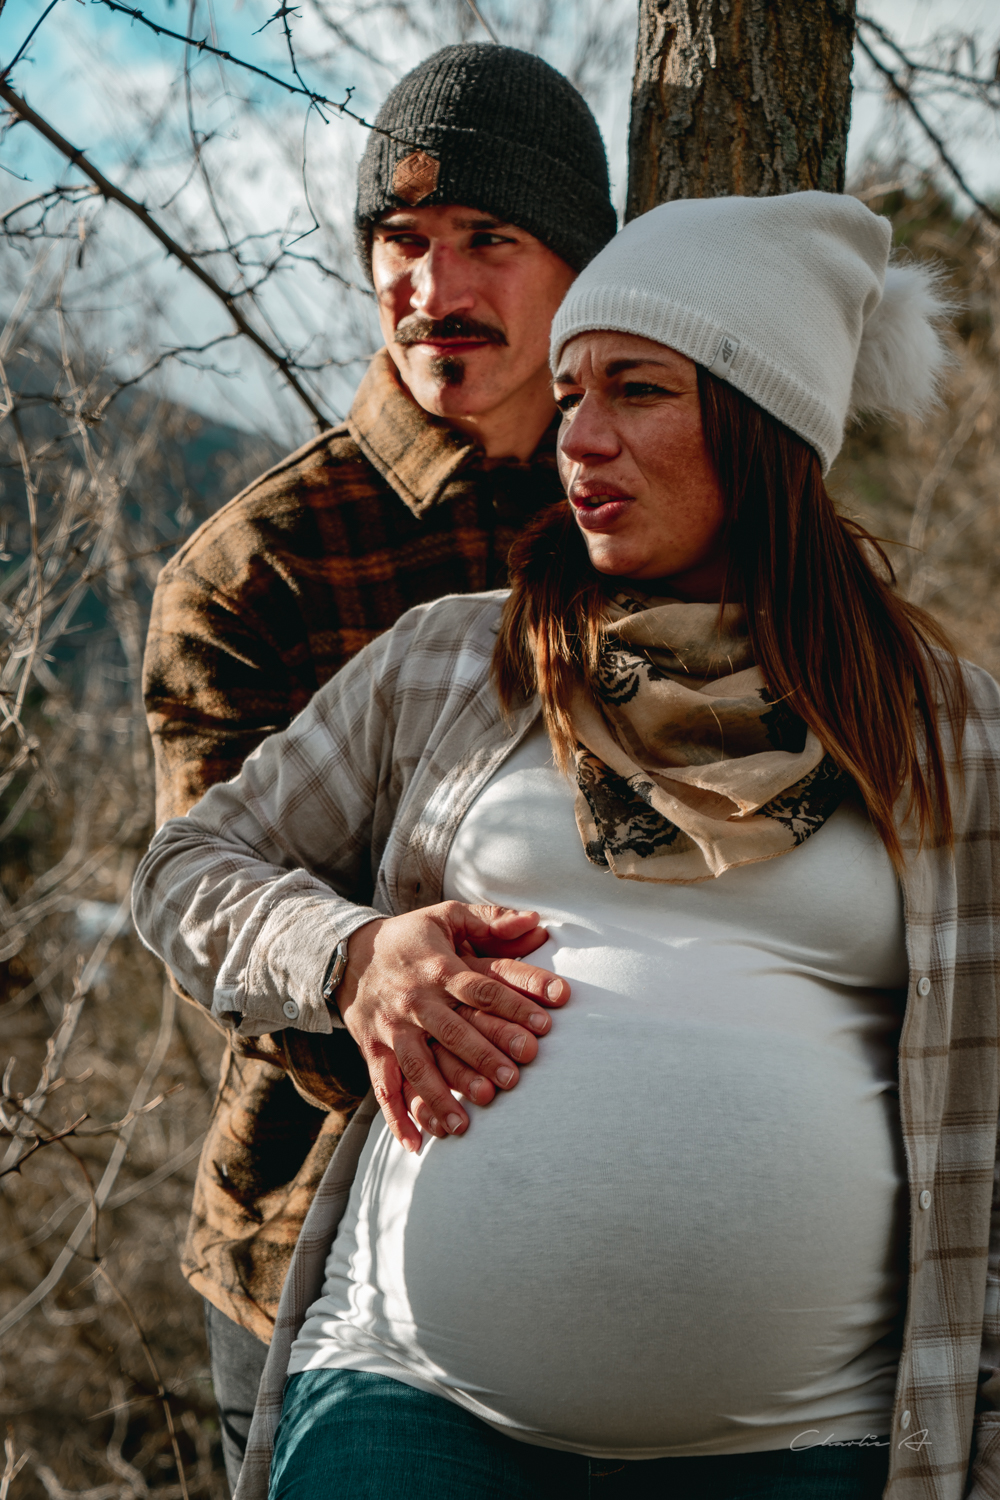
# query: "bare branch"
[12,1467]
[982,83]
[40,1141]
[175,352]
[114,194]
[55,195]
[483,21]
[154,1370]
[274,262]
[69,1251]
[901,91]
[27,41]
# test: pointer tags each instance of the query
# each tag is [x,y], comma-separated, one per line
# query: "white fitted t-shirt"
[681,1232]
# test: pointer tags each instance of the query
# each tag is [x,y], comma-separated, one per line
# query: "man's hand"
[438,1000]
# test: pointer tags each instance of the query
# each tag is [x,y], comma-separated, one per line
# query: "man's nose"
[589,433]
[441,284]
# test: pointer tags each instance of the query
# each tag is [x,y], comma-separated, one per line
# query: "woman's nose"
[589,432]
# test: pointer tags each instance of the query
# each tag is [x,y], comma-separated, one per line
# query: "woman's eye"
[567,403]
[636,389]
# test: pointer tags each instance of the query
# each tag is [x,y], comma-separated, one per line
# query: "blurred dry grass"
[77,1389]
[933,490]
[90,508]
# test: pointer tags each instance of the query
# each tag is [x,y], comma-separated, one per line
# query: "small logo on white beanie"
[724,356]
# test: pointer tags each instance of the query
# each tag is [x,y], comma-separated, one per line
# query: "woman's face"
[633,462]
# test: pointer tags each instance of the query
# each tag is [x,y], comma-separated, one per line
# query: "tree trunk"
[750,97]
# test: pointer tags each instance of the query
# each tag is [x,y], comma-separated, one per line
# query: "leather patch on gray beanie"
[494,129]
[415,177]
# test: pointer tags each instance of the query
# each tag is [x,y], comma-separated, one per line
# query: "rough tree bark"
[751,97]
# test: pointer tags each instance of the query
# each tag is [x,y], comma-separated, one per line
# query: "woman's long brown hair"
[871,674]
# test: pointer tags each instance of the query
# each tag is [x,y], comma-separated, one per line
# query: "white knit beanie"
[790,299]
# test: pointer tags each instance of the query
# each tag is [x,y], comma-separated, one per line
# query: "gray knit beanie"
[791,299]
[498,130]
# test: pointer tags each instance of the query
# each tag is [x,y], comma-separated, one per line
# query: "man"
[483,191]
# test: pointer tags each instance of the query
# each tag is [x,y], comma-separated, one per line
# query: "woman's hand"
[438,1000]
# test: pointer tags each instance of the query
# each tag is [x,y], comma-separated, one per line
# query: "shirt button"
[923,987]
[904,1420]
[290,1009]
[925,1199]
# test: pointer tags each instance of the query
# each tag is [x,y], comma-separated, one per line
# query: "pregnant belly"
[662,1238]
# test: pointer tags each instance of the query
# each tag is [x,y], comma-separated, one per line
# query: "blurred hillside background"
[128,413]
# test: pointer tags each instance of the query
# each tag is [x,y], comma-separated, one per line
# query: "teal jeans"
[346,1435]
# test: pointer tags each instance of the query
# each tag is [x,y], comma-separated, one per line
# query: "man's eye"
[484,238]
[402,238]
[567,403]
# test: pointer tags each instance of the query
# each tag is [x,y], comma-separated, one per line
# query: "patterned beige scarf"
[686,766]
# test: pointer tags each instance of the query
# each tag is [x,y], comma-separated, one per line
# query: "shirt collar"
[416,453]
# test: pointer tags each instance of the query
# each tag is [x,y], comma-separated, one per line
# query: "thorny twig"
[282,14]
[341,106]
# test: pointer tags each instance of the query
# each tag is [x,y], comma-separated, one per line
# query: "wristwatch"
[334,970]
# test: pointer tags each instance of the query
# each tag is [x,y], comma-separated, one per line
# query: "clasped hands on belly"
[440,1000]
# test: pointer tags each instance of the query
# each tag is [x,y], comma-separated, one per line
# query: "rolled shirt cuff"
[281,983]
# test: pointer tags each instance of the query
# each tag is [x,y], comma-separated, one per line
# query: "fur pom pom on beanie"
[791,299]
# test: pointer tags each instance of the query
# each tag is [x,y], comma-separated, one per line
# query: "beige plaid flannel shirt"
[349,814]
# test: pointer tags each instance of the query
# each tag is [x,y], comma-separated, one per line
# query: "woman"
[728,1237]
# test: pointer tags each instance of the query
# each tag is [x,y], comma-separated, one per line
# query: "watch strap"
[334,970]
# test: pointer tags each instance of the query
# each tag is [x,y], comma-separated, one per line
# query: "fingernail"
[454,1123]
[409,1145]
[554,990]
[479,1089]
[505,1076]
[516,1048]
[434,1124]
[538,1021]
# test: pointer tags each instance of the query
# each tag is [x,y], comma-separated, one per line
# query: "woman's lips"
[598,512]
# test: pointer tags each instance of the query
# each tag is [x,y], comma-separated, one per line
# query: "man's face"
[465,304]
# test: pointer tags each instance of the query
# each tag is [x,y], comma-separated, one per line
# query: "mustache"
[417,329]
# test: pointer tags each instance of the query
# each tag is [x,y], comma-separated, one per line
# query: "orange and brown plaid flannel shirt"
[261,607]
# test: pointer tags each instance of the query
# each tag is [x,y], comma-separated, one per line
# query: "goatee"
[448,369]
